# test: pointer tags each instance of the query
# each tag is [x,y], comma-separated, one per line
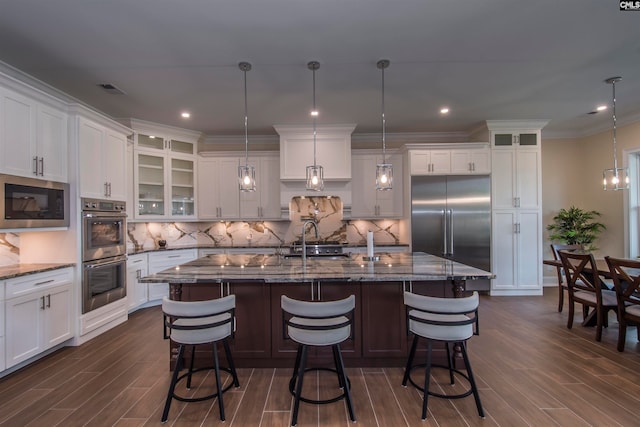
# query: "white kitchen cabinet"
[33,138]
[2,329]
[264,203]
[165,173]
[471,161]
[103,162]
[333,151]
[218,188]
[516,199]
[430,162]
[516,258]
[162,260]
[203,252]
[39,314]
[137,267]
[367,202]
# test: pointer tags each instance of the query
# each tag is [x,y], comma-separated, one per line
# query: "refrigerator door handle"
[444,232]
[450,211]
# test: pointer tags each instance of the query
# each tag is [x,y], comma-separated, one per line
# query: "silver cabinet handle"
[48,300]
[444,232]
[43,282]
[35,166]
[450,232]
[41,166]
[42,302]
[138,274]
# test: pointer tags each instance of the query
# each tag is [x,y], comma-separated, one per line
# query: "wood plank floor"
[532,371]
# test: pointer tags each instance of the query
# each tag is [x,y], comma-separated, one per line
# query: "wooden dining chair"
[562,285]
[626,281]
[585,287]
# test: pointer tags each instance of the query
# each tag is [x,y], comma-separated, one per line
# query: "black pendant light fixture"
[615,178]
[384,170]
[315,178]
[246,173]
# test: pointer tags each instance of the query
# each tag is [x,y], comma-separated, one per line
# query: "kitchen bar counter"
[259,281]
[404,266]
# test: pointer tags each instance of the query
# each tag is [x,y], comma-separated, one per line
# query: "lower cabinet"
[2,362]
[383,320]
[163,260]
[137,267]
[39,314]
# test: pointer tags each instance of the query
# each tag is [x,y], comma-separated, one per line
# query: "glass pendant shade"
[615,178]
[246,173]
[384,170]
[384,176]
[315,178]
[247,178]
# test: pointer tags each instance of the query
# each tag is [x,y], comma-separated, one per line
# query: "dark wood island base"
[258,282]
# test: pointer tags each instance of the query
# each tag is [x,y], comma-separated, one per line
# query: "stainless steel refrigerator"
[451,218]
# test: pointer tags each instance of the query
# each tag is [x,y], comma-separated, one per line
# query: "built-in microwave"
[33,203]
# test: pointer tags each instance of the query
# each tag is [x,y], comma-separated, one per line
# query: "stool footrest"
[210,396]
[440,395]
[292,386]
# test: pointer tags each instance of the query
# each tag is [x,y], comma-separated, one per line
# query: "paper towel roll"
[370,244]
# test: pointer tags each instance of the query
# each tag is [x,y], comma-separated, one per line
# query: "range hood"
[333,153]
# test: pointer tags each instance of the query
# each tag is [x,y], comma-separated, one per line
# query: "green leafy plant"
[576,226]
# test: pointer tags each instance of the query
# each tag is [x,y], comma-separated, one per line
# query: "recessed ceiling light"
[444,110]
[185,115]
[601,107]
[314,113]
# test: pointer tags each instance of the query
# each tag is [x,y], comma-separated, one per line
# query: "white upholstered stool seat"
[447,320]
[191,323]
[318,324]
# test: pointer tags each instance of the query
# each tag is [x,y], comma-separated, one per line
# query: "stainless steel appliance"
[33,203]
[104,229]
[324,250]
[103,281]
[104,237]
[451,218]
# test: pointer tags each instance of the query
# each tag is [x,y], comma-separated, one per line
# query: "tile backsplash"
[9,248]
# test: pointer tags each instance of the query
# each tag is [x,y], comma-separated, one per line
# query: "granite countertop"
[406,266]
[17,270]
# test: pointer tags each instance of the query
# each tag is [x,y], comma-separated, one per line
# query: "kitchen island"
[259,281]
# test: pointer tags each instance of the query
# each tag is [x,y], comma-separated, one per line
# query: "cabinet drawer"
[35,282]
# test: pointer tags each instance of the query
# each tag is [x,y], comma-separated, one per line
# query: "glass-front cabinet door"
[182,187]
[165,177]
[151,184]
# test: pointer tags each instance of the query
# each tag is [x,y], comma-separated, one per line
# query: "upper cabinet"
[464,159]
[218,188]
[367,202]
[332,152]
[164,171]
[102,164]
[33,137]
[264,203]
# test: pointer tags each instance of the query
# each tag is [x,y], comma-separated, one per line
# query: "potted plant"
[576,226]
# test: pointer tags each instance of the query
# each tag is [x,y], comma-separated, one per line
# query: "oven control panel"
[103,205]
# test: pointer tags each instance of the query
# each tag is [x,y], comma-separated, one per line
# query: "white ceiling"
[484,59]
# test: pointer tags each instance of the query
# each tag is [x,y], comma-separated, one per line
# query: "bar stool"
[192,323]
[318,324]
[448,320]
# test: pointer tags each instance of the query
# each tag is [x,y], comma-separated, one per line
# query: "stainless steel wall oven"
[104,237]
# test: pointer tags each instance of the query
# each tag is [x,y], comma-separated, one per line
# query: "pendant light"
[384,170]
[315,179]
[246,173]
[615,178]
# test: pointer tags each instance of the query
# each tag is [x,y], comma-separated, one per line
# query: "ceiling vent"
[109,88]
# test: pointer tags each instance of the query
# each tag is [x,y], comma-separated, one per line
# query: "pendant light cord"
[314,114]
[615,155]
[384,142]
[246,122]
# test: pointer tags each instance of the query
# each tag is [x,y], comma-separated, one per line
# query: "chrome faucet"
[304,240]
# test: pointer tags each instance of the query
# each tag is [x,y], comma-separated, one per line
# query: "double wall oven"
[104,246]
